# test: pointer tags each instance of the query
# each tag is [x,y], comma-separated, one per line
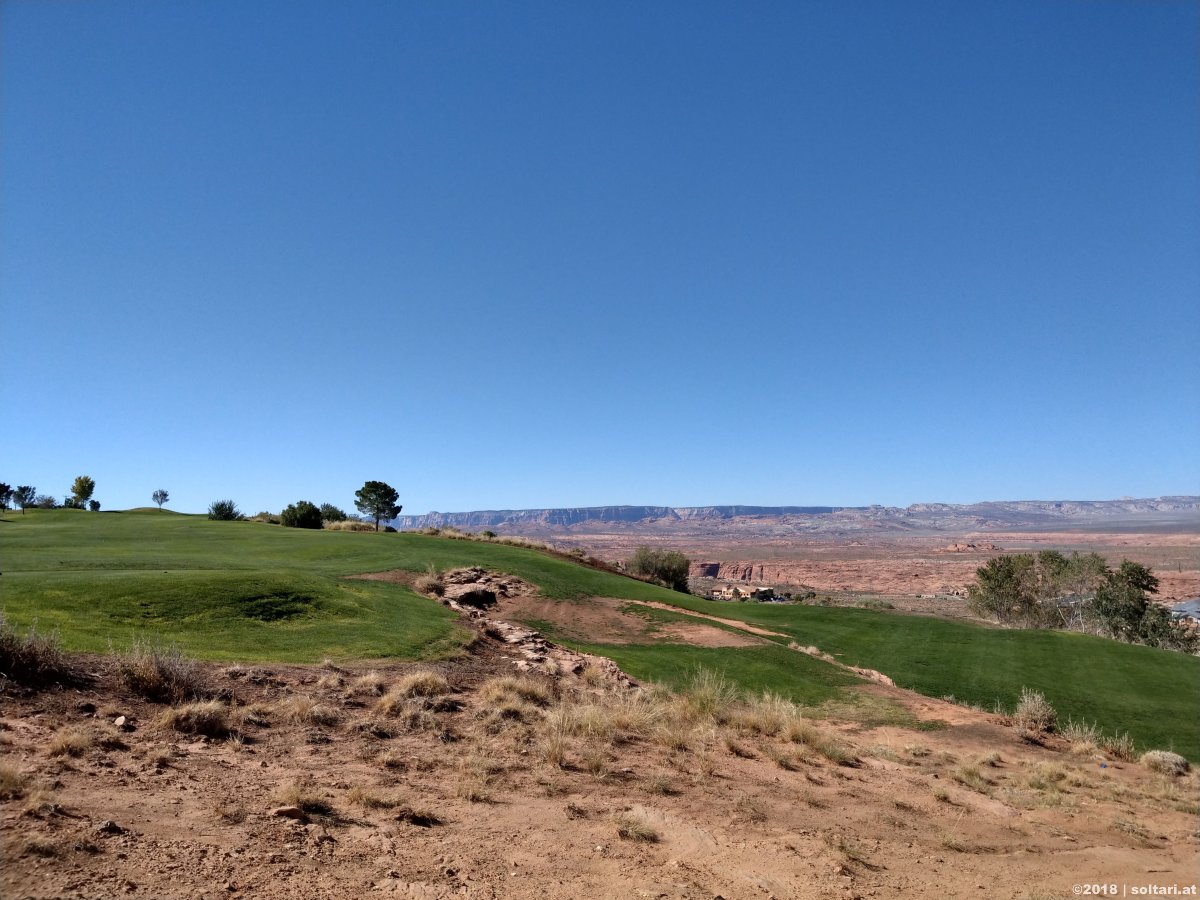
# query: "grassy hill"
[248,591]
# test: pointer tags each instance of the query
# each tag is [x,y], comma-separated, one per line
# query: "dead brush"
[36,845]
[159,673]
[209,718]
[31,658]
[1034,712]
[661,784]
[1165,762]
[304,710]
[13,782]
[71,740]
[430,585]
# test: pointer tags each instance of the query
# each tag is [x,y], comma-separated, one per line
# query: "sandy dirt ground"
[447,804]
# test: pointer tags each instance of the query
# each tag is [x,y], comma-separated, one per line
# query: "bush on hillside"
[224,511]
[301,514]
[666,567]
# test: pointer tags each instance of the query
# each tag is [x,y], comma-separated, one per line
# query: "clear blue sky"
[548,254]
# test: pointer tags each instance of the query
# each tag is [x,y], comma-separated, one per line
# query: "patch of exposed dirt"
[606,620]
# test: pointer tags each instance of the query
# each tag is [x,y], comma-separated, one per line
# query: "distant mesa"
[783,520]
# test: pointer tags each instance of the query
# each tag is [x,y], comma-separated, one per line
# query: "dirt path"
[733,623]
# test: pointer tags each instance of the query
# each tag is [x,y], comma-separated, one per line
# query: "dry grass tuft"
[421,684]
[510,687]
[228,814]
[750,809]
[303,710]
[1165,761]
[360,796]
[781,758]
[662,785]
[633,828]
[370,683]
[303,795]
[13,783]
[709,696]
[970,776]
[209,718]
[158,673]
[392,760]
[71,741]
[429,584]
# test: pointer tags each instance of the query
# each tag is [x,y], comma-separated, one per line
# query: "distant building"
[742,592]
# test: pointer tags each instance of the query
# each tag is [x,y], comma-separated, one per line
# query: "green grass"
[1151,693]
[800,678]
[249,591]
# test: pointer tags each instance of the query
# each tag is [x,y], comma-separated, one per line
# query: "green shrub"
[301,514]
[667,567]
[224,511]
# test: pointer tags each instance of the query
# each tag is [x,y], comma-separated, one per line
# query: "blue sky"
[559,254]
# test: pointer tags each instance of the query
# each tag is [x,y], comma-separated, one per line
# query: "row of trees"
[1080,593]
[375,500]
[26,496]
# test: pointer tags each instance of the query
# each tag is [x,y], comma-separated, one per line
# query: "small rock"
[86,707]
[109,827]
[119,721]
[290,812]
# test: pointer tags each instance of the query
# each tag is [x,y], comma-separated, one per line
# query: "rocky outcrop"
[531,652]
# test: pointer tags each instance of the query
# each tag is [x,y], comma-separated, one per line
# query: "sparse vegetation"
[159,673]
[30,657]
